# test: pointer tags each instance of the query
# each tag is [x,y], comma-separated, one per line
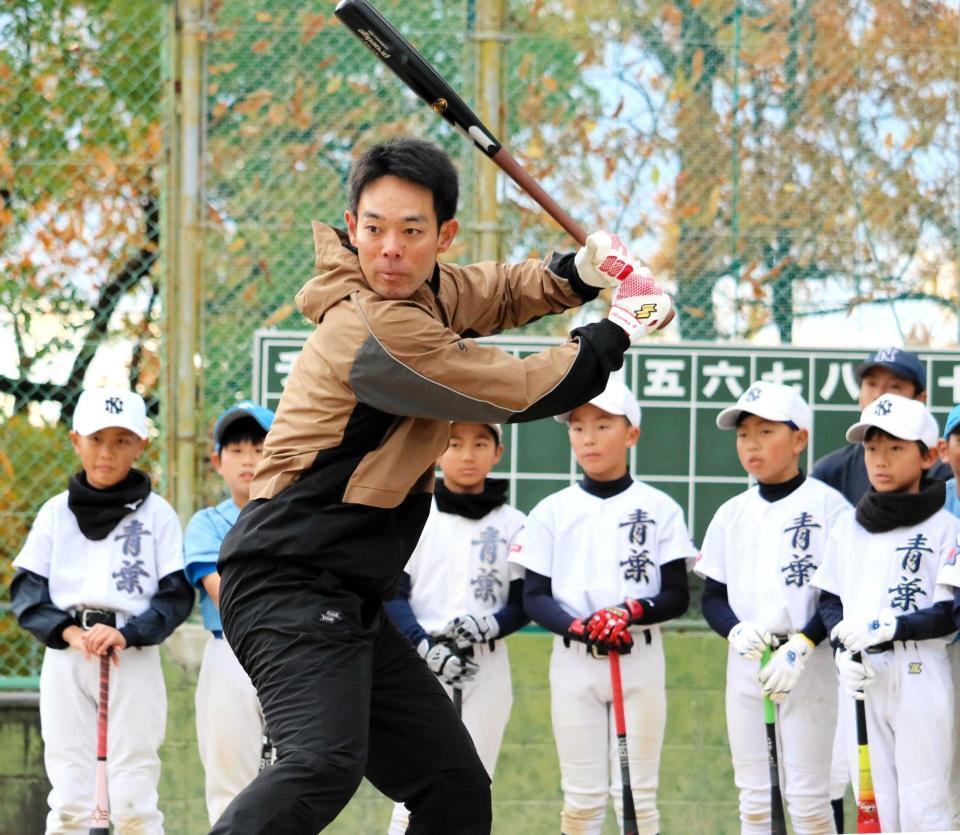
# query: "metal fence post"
[490,39]
[184,267]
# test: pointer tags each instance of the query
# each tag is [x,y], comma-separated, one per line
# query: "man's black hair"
[876,431]
[413,160]
[243,429]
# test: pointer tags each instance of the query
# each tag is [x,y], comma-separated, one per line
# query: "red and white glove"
[639,306]
[604,261]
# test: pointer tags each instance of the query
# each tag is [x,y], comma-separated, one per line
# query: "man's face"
[396,235]
[879,380]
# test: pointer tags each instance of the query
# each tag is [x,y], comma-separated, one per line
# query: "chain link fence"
[792,170]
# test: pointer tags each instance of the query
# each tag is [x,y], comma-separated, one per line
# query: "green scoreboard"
[681,388]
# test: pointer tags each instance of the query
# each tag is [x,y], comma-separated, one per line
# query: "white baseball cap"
[770,401]
[899,416]
[615,399]
[102,408]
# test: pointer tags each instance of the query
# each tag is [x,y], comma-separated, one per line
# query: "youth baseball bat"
[777,818]
[387,44]
[867,818]
[100,817]
[629,811]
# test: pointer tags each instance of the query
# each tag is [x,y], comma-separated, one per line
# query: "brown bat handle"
[519,175]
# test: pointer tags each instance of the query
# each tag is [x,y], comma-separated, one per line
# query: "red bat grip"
[102,706]
[617,693]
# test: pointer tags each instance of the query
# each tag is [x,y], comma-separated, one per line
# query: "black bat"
[384,41]
[779,822]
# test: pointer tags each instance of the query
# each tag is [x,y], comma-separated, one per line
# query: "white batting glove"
[448,665]
[471,629]
[604,261]
[782,672]
[640,306]
[855,676]
[856,637]
[749,640]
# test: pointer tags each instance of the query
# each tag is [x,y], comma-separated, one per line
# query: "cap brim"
[727,419]
[89,428]
[227,420]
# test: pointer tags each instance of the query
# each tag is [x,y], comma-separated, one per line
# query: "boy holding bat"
[101,573]
[758,556]
[889,618]
[344,488]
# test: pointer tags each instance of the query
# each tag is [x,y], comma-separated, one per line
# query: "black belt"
[886,646]
[598,651]
[88,618]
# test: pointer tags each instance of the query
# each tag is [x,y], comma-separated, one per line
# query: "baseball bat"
[386,43]
[777,818]
[629,811]
[100,817]
[868,820]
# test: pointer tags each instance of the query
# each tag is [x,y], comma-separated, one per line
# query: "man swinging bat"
[343,491]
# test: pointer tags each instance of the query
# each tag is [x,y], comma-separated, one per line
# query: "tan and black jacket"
[348,463]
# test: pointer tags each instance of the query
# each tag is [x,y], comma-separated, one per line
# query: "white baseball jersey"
[894,569]
[948,574]
[120,573]
[598,552]
[767,552]
[460,567]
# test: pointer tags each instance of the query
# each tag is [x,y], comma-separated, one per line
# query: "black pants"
[344,696]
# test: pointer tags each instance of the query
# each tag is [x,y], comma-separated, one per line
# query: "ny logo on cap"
[883,407]
[113,405]
[886,355]
[753,394]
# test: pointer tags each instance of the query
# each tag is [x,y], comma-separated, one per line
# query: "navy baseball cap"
[953,422]
[244,409]
[904,364]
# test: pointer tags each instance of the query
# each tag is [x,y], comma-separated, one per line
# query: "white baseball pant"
[953,654]
[909,709]
[229,726]
[806,723]
[585,733]
[69,690]
[487,701]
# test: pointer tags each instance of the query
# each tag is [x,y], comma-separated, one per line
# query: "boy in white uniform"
[758,557]
[230,727]
[880,597]
[458,597]
[101,573]
[606,561]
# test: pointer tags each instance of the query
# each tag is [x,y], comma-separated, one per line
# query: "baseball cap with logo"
[770,401]
[103,408]
[904,364]
[615,399]
[245,409]
[898,416]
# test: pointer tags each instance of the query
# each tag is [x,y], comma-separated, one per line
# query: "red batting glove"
[607,625]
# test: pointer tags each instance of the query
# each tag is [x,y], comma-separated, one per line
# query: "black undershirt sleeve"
[830,608]
[401,612]
[935,621]
[35,612]
[716,608]
[674,596]
[815,629]
[169,607]
[564,267]
[511,617]
[540,606]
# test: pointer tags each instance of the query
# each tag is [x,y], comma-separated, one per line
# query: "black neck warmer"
[472,505]
[775,492]
[99,511]
[606,489]
[879,512]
